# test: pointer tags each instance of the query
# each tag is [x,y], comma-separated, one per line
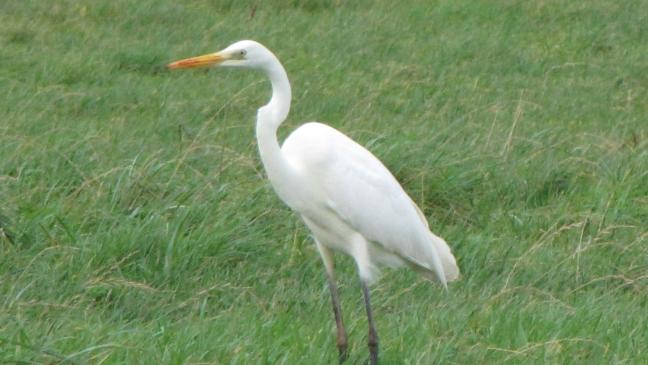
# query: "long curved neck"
[281,94]
[269,118]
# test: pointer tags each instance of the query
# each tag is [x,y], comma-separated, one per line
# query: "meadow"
[137,226]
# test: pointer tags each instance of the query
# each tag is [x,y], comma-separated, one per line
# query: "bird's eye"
[242,53]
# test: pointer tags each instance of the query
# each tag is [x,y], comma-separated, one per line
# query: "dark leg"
[373,335]
[341,332]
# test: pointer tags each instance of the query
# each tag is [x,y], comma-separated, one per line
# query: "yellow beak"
[199,61]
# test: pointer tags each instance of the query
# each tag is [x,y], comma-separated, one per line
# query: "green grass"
[136,224]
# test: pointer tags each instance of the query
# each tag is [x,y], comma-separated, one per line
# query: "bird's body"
[345,195]
[339,176]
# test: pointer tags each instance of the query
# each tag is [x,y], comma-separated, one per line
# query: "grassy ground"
[136,225]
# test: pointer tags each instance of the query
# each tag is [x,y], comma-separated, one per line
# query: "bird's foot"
[373,352]
[344,353]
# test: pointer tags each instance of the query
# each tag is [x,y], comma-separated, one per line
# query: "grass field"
[137,227]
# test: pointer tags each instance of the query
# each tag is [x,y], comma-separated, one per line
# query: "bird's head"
[247,54]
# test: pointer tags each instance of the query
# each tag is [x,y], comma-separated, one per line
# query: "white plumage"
[344,194]
[352,203]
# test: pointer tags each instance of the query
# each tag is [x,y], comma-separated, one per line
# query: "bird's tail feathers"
[448,261]
[443,252]
[440,264]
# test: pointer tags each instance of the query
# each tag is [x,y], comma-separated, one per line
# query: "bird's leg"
[373,335]
[327,258]
[339,323]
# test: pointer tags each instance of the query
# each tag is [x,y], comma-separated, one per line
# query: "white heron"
[345,195]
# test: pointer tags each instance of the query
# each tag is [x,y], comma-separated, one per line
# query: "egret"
[343,193]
